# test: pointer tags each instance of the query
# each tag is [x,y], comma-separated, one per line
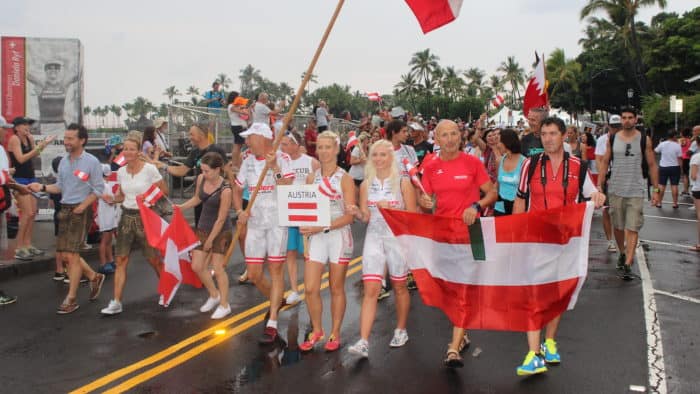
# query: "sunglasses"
[291,137]
[628,148]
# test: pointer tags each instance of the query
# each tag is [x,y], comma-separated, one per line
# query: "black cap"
[20,120]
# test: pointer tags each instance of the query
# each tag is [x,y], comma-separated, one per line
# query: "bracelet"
[38,149]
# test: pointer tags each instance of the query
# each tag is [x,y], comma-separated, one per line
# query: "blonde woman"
[383,187]
[331,244]
[134,179]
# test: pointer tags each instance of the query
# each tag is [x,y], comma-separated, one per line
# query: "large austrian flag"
[432,14]
[510,273]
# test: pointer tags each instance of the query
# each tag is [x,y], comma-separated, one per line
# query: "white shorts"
[108,216]
[271,242]
[382,253]
[335,247]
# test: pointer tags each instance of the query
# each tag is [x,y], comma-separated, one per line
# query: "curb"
[43,264]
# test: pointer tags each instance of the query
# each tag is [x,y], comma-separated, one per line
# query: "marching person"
[551,179]
[78,196]
[508,171]
[383,188]
[601,145]
[397,133]
[265,238]
[670,164]
[134,179]
[329,245]
[302,165]
[453,181]
[214,231]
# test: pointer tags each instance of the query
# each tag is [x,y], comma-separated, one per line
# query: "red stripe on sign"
[553,226]
[506,308]
[303,218]
[14,77]
[302,205]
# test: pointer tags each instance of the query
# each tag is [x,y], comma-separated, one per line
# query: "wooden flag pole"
[287,120]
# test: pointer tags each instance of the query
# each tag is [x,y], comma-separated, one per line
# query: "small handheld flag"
[413,173]
[152,195]
[374,96]
[497,101]
[120,160]
[352,141]
[82,175]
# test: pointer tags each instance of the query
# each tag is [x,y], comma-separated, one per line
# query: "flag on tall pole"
[497,101]
[536,93]
[511,273]
[432,14]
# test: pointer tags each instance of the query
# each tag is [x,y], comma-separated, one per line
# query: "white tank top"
[301,168]
[381,191]
[331,187]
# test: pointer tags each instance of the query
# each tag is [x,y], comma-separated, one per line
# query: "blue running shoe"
[533,364]
[549,349]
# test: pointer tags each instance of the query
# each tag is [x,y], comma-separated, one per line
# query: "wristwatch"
[278,176]
[477,207]
[326,230]
[43,188]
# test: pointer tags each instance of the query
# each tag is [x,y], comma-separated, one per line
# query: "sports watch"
[477,207]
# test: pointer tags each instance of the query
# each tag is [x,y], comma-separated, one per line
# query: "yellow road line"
[195,351]
[181,345]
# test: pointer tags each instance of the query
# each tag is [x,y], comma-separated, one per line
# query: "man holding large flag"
[453,182]
[552,179]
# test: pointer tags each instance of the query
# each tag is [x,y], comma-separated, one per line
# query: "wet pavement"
[148,349]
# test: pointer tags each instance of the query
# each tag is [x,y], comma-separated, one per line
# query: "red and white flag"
[120,160]
[4,177]
[413,173]
[352,140]
[82,175]
[374,96]
[152,195]
[174,241]
[511,273]
[432,14]
[497,101]
[536,93]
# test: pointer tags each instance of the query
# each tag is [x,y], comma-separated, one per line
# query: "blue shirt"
[214,95]
[508,183]
[74,190]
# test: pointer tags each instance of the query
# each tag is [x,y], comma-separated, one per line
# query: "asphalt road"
[147,349]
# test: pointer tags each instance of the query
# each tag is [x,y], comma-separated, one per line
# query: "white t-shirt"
[321,117]
[670,152]
[134,185]
[405,152]
[235,117]
[601,145]
[302,167]
[4,161]
[261,113]
[695,161]
[357,171]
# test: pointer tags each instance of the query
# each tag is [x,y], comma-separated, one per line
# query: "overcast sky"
[141,47]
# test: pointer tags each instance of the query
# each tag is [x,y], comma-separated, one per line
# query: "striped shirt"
[626,178]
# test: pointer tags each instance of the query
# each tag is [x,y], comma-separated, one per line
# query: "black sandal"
[453,359]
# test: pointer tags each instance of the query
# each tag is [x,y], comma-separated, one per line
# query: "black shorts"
[686,167]
[669,173]
[696,195]
[358,182]
[236,131]
[321,129]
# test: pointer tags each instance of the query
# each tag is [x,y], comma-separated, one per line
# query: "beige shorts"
[130,234]
[72,228]
[627,213]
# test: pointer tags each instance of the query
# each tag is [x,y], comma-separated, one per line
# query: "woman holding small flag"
[383,188]
[331,244]
[135,179]
[214,230]
[453,182]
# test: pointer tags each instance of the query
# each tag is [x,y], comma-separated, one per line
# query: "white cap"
[415,126]
[4,124]
[615,119]
[261,129]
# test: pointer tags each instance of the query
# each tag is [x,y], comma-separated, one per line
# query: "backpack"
[582,174]
[642,144]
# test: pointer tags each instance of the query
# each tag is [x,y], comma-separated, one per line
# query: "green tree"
[248,76]
[475,78]
[423,65]
[408,87]
[564,76]
[514,75]
[171,92]
[224,80]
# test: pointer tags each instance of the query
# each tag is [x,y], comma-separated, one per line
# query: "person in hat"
[265,240]
[161,126]
[238,115]
[115,145]
[22,149]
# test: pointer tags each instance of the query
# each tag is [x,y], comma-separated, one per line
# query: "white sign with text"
[303,205]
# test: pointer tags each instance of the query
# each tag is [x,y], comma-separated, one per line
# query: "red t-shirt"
[456,183]
[533,190]
[310,136]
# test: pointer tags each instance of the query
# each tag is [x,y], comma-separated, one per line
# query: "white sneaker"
[360,348]
[221,312]
[611,246]
[293,298]
[400,338]
[692,207]
[210,304]
[114,308]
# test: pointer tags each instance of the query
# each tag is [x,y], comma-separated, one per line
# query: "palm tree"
[224,80]
[627,9]
[514,75]
[409,87]
[561,71]
[452,83]
[86,111]
[475,77]
[117,111]
[248,76]
[312,79]
[423,65]
[171,92]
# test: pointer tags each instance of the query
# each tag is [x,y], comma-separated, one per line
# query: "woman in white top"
[383,188]
[695,189]
[134,179]
[238,115]
[358,159]
[330,244]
